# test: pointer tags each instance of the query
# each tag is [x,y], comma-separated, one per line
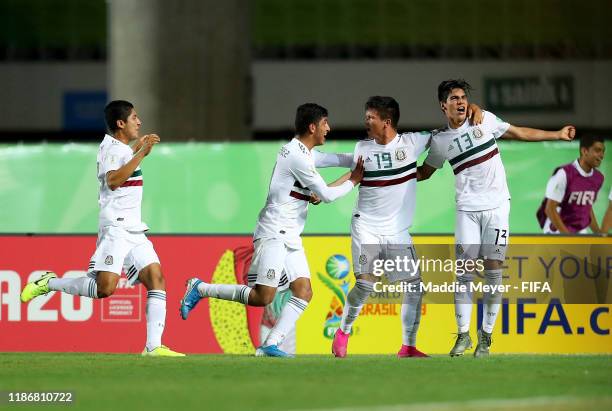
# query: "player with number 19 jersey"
[387,194]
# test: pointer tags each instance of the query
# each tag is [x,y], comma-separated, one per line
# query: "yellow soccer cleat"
[38,287]
[161,351]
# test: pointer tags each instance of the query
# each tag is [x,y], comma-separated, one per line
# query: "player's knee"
[105,291]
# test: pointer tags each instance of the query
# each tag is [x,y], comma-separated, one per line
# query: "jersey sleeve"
[495,124]
[305,172]
[115,158]
[332,159]
[421,141]
[435,157]
[555,189]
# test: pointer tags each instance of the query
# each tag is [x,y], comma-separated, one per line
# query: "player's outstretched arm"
[323,160]
[115,178]
[328,194]
[567,133]
[424,171]
[555,218]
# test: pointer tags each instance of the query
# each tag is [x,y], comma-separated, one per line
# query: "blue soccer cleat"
[191,297]
[271,351]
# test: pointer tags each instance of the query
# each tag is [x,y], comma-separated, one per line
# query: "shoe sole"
[460,354]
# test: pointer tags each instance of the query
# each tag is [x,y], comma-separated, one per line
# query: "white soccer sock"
[156,317]
[83,286]
[231,292]
[355,300]
[411,315]
[286,321]
[463,303]
[491,301]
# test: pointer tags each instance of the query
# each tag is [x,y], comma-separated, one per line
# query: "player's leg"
[264,275]
[495,234]
[102,277]
[298,276]
[467,245]
[400,247]
[362,244]
[142,265]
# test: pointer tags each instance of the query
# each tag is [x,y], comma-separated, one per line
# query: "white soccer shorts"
[367,246]
[483,233]
[118,248]
[276,265]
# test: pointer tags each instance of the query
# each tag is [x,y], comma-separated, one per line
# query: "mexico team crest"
[271,274]
[108,260]
[400,154]
[478,133]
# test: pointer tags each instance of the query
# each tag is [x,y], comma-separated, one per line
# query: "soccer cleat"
[271,351]
[191,297]
[161,351]
[38,287]
[340,343]
[484,343]
[464,342]
[410,351]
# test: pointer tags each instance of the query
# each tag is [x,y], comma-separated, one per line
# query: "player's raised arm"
[314,181]
[567,133]
[115,178]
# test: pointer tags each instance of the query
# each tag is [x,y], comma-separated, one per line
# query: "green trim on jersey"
[471,152]
[136,173]
[391,172]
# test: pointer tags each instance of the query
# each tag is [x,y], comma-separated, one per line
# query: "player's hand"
[475,114]
[357,173]
[567,133]
[148,142]
[314,199]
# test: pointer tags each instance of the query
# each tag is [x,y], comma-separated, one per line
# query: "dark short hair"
[116,110]
[307,114]
[386,107]
[587,141]
[445,88]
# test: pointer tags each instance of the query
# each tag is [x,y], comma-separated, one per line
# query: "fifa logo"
[582,198]
[337,267]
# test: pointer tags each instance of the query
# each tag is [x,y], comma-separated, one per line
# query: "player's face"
[321,130]
[375,125]
[455,106]
[594,155]
[132,125]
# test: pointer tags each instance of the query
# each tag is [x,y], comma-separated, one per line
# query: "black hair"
[447,86]
[116,110]
[386,107]
[307,114]
[587,141]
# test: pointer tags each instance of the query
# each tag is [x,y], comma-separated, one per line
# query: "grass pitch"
[226,382]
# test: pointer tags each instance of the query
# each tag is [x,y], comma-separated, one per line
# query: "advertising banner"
[64,323]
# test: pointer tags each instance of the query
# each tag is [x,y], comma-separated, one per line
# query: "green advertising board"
[220,188]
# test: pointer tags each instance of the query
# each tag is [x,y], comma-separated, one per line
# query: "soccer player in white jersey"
[482,197]
[382,217]
[279,260]
[121,237]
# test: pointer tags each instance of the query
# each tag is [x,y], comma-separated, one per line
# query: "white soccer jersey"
[121,207]
[293,179]
[387,194]
[480,178]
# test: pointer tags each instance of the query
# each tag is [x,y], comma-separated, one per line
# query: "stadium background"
[220,83]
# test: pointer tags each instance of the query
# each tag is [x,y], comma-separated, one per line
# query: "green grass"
[225,382]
